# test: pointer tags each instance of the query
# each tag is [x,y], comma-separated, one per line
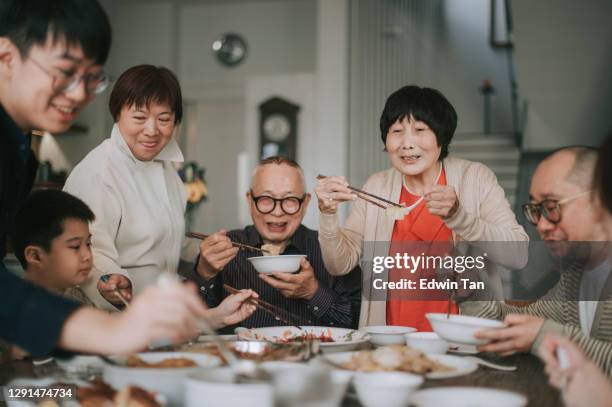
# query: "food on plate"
[394,358]
[270,249]
[132,396]
[100,394]
[289,337]
[264,352]
[135,361]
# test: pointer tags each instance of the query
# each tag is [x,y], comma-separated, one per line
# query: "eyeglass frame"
[276,201]
[558,204]
[74,81]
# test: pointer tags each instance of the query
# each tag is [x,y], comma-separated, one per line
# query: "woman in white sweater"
[130,183]
[450,200]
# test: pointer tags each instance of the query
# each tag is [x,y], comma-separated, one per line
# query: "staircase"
[496,151]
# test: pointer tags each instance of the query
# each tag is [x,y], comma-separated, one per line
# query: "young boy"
[52,242]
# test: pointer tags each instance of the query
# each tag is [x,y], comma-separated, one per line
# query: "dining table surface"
[529,379]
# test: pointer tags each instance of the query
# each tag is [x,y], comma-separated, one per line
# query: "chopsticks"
[359,191]
[116,291]
[203,236]
[268,308]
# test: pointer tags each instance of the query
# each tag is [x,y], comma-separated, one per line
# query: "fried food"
[135,361]
[133,396]
[395,358]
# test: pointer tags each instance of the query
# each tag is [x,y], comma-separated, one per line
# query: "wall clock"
[278,128]
[230,49]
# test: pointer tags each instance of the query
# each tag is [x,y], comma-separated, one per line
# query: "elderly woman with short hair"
[448,199]
[131,185]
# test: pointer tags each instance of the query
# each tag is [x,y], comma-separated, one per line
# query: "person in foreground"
[51,57]
[577,307]
[278,202]
[582,383]
[449,200]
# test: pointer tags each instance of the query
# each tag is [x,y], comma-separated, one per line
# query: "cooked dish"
[135,361]
[306,336]
[397,213]
[395,358]
[266,351]
[270,249]
[100,394]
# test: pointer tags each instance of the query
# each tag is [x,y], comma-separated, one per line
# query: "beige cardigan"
[484,215]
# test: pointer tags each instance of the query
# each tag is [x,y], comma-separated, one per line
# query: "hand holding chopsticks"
[332,190]
[203,236]
[278,313]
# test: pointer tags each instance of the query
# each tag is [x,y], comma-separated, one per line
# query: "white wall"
[564,58]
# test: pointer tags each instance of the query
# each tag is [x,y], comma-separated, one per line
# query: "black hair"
[142,84]
[41,219]
[602,184]
[79,22]
[423,104]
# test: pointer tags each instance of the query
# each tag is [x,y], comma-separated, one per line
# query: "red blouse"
[408,307]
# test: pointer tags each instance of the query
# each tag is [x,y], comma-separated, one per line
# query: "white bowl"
[167,381]
[467,397]
[289,263]
[383,335]
[217,388]
[389,389]
[427,342]
[461,328]
[307,384]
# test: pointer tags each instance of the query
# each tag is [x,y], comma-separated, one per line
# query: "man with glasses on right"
[579,305]
[278,201]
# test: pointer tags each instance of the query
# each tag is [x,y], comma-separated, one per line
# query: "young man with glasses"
[278,202]
[560,208]
[51,57]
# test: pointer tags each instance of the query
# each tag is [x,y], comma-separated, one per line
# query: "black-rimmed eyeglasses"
[266,204]
[549,208]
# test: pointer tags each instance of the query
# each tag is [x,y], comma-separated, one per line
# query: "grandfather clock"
[278,128]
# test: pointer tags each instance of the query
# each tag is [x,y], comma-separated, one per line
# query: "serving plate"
[168,381]
[461,366]
[344,339]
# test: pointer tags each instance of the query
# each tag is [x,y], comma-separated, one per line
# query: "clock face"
[230,49]
[276,128]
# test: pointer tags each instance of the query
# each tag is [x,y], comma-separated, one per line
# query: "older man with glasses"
[278,202]
[578,306]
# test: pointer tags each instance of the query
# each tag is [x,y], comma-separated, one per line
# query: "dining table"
[529,379]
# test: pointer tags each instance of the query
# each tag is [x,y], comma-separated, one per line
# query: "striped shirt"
[336,302]
[560,310]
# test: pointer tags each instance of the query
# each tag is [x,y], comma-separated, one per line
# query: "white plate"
[345,339]
[167,381]
[461,366]
[467,397]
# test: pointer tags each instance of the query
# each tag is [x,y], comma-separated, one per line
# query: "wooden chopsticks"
[269,308]
[359,191]
[203,236]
